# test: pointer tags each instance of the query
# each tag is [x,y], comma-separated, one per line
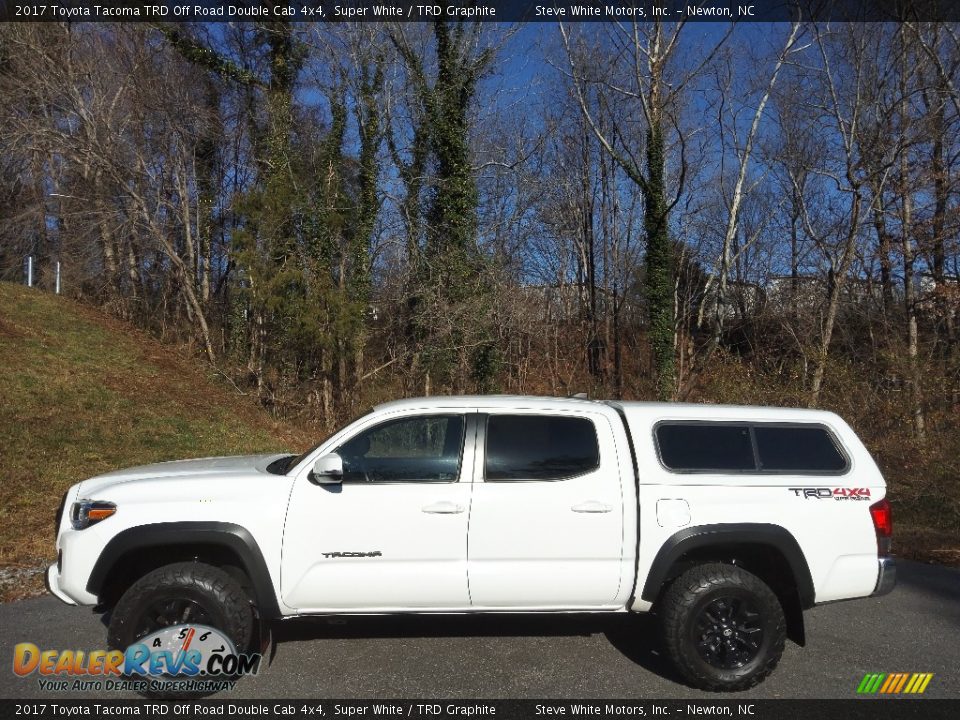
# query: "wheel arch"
[222,543]
[761,548]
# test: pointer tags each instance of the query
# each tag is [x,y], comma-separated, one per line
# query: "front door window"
[414,449]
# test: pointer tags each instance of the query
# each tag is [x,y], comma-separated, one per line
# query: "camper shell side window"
[776,448]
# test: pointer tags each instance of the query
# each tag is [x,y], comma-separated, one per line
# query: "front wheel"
[723,627]
[187,593]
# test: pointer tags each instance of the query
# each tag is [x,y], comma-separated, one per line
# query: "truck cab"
[544,487]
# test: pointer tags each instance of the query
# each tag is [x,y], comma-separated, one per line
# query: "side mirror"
[328,470]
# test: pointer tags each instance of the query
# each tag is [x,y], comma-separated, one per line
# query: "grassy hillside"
[80,394]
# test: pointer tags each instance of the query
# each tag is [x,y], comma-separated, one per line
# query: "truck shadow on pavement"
[937,584]
[937,580]
[636,637]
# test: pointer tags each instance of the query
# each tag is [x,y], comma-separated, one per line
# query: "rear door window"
[539,447]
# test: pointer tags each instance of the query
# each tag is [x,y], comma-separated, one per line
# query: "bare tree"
[743,157]
[846,81]
[646,76]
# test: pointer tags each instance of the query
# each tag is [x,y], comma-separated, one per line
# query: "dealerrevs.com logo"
[180,658]
[839,493]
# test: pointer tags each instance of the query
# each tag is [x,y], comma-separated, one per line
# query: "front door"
[393,535]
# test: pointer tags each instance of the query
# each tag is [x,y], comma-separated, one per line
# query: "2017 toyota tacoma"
[727,522]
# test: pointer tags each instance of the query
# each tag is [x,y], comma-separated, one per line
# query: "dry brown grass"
[925,544]
[81,394]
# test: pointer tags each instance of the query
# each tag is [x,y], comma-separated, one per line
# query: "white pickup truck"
[727,522]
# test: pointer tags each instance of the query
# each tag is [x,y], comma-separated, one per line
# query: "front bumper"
[887,577]
[52,581]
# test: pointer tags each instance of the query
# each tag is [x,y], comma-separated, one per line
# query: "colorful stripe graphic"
[894,683]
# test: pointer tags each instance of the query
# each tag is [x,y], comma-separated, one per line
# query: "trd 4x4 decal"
[835,493]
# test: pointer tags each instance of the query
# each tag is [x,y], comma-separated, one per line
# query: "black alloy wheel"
[723,627]
[728,632]
[166,612]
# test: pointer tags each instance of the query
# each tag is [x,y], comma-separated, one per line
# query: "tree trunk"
[836,280]
[660,291]
[907,246]
[938,222]
[883,250]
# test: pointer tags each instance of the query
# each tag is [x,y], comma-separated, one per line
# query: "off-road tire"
[228,608]
[682,611]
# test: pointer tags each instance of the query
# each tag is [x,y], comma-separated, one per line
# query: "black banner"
[854,709]
[478,10]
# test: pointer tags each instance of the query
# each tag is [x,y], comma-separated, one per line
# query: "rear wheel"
[723,627]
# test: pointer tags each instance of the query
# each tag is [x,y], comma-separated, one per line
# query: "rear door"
[546,519]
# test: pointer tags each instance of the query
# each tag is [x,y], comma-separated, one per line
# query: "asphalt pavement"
[914,629]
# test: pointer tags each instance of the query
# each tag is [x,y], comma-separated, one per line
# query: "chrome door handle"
[591,506]
[443,508]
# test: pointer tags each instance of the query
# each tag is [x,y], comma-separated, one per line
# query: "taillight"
[882,515]
[882,518]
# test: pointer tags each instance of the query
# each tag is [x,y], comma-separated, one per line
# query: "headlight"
[85,513]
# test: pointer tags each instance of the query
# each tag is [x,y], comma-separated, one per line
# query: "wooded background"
[335,215]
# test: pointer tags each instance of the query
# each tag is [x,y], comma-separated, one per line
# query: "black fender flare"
[232,537]
[702,536]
